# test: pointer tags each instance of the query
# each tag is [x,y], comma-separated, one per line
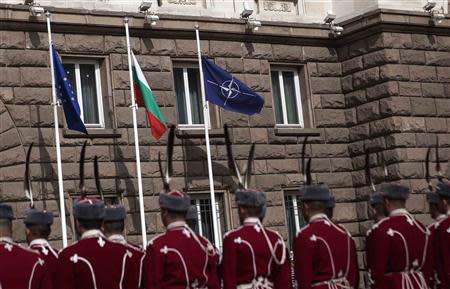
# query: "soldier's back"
[401,250]
[176,260]
[22,268]
[94,263]
[325,255]
[442,264]
[49,255]
[248,261]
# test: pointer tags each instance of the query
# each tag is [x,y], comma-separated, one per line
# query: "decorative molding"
[279,6]
[182,2]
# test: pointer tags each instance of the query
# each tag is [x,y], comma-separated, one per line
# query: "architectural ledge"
[92,133]
[65,20]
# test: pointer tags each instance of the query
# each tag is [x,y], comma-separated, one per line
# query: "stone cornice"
[17,17]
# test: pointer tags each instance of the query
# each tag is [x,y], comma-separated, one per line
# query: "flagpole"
[58,148]
[136,138]
[208,146]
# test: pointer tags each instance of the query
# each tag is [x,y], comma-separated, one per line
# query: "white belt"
[257,283]
[339,283]
[409,276]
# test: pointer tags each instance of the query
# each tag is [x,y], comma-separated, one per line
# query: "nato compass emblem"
[229,89]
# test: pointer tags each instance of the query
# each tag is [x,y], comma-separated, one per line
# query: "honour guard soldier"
[93,262]
[20,268]
[324,253]
[442,237]
[253,256]
[191,217]
[399,251]
[179,258]
[38,228]
[113,228]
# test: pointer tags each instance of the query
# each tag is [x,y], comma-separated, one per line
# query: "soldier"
[376,207]
[178,258]
[331,203]
[38,227]
[19,267]
[399,251]
[113,228]
[442,237]
[93,262]
[324,253]
[191,217]
[253,256]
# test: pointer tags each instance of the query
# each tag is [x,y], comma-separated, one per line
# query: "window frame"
[98,82]
[204,195]
[190,126]
[293,195]
[299,95]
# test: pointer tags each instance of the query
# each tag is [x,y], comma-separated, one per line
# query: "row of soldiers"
[401,253]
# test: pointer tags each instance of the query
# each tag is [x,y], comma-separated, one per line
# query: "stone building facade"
[383,85]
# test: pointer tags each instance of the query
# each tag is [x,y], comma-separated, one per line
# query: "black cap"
[191,214]
[317,192]
[331,203]
[432,198]
[394,191]
[375,199]
[115,213]
[6,212]
[89,209]
[36,217]
[250,198]
[443,189]
[175,201]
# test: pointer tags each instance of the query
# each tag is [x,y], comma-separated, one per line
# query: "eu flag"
[66,96]
[224,90]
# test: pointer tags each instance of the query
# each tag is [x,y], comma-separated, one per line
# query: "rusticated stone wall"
[388,92]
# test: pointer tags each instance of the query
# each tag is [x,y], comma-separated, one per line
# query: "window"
[287,97]
[294,216]
[84,76]
[189,98]
[204,216]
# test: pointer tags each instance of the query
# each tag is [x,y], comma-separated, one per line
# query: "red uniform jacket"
[248,262]
[399,253]
[178,260]
[442,245]
[435,251]
[136,260]
[325,256]
[49,255]
[94,263]
[22,268]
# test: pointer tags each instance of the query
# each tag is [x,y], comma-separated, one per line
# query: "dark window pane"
[89,94]
[290,97]
[290,219]
[206,217]
[195,96]
[277,98]
[179,91]
[70,71]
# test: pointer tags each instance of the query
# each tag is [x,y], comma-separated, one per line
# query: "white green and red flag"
[145,98]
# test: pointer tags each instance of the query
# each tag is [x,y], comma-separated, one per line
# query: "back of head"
[114,221]
[89,213]
[251,203]
[6,217]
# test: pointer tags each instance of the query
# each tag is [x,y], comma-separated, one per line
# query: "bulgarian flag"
[144,97]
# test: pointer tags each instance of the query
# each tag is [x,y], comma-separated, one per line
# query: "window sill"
[92,133]
[296,131]
[199,133]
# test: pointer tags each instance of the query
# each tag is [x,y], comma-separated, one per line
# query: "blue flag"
[67,96]
[224,90]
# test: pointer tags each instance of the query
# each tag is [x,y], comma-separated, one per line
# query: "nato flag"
[224,90]
[66,96]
